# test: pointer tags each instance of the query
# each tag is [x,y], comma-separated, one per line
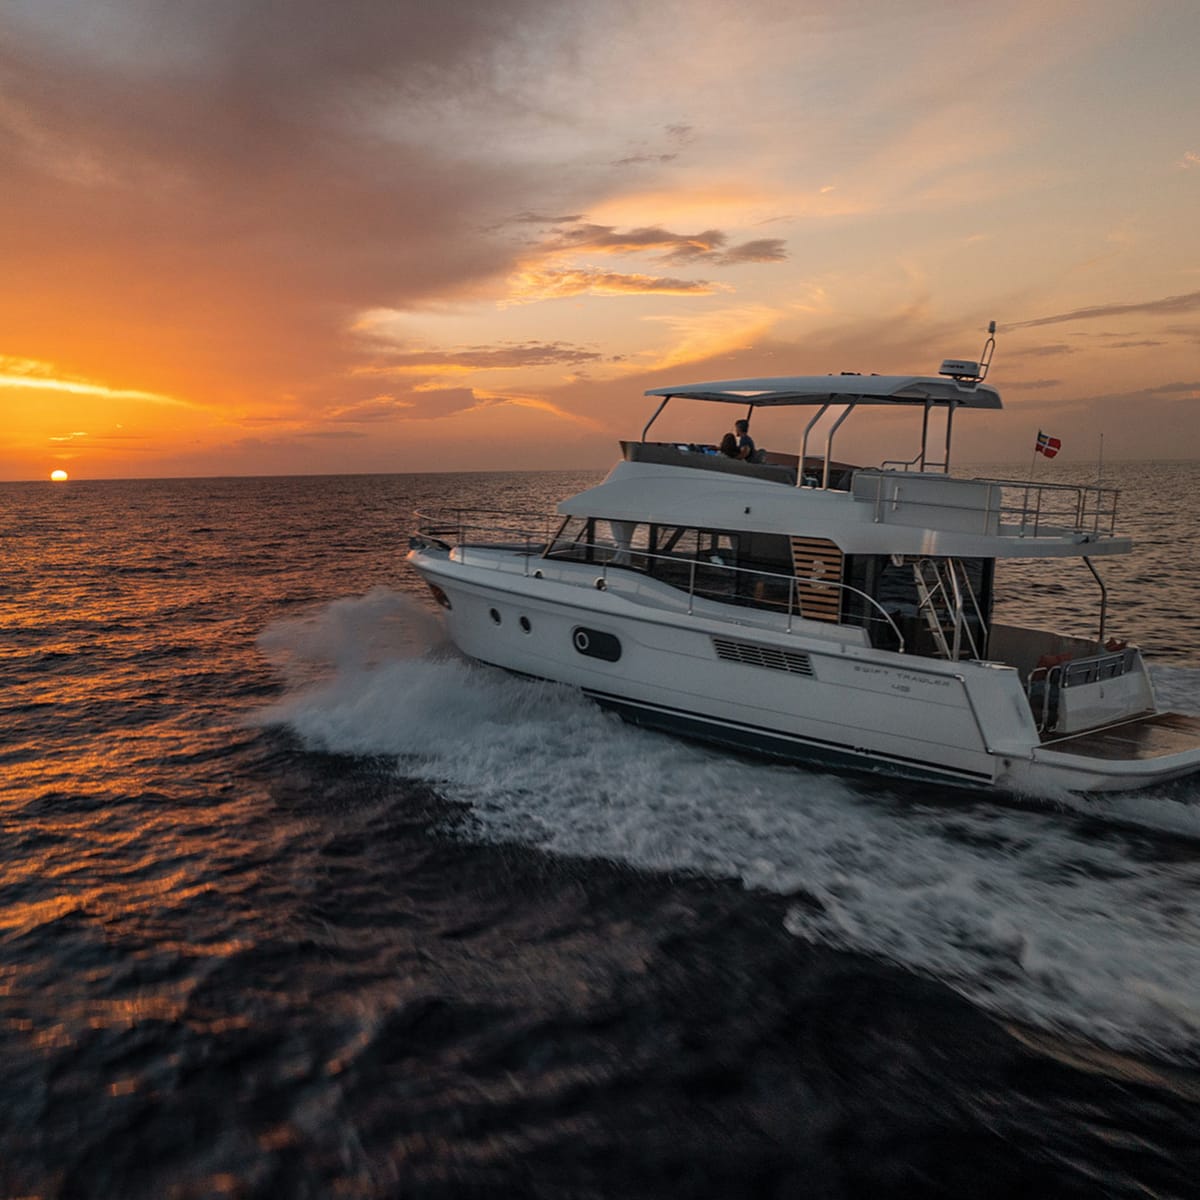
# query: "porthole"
[525,625]
[494,615]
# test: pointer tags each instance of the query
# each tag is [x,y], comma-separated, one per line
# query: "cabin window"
[753,569]
[595,540]
[575,540]
[702,560]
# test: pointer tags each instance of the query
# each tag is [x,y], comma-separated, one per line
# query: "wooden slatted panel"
[817,558]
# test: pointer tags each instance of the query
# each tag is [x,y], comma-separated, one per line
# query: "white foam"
[1037,915]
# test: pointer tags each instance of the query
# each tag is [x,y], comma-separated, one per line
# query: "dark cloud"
[204,192]
[1050,351]
[760,250]
[1168,306]
[532,218]
[487,358]
[709,246]
[1168,388]
[636,159]
[677,135]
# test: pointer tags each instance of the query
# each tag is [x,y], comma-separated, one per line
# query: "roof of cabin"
[838,389]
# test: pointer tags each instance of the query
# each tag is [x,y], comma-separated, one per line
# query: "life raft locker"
[815,560]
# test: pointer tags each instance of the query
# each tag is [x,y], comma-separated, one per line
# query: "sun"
[59,476]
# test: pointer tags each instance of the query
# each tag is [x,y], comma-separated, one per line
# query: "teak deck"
[1145,737]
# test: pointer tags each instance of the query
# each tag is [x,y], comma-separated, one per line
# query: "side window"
[573,540]
[594,540]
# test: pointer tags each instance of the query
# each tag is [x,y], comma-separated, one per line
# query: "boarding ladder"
[944,592]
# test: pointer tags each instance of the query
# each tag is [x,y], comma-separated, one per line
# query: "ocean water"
[296,902]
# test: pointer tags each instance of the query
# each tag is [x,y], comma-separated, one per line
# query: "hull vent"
[762,656]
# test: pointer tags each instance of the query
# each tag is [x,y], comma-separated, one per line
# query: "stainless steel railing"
[1002,505]
[504,530]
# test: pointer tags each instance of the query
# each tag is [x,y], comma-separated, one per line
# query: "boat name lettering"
[903,678]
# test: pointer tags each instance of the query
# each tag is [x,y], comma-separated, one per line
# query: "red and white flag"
[1047,445]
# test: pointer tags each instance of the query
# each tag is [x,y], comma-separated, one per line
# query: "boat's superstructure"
[804,608]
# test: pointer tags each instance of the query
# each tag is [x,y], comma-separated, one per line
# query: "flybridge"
[959,384]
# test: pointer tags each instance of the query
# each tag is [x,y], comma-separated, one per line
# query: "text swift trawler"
[802,608]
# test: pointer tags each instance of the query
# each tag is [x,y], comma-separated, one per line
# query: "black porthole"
[525,625]
[494,615]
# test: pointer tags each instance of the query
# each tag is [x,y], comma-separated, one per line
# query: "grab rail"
[434,527]
[1030,509]
[794,605]
[1081,508]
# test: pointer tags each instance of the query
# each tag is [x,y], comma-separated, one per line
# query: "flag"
[1047,445]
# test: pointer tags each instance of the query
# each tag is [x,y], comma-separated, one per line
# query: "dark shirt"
[746,442]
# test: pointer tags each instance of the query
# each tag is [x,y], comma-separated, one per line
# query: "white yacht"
[802,608]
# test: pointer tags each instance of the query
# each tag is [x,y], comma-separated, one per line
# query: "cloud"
[552,284]
[1169,306]
[378,408]
[431,403]
[759,250]
[678,136]
[1189,160]
[1166,389]
[483,358]
[231,183]
[418,404]
[29,375]
[674,249]
[1031,385]
[1050,351]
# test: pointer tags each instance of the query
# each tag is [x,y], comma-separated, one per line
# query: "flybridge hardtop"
[789,390]
[819,611]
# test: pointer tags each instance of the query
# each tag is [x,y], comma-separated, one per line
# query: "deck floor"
[1145,737]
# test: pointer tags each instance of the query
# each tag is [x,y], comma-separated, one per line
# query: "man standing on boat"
[745,443]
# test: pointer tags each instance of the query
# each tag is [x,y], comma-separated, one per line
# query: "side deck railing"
[697,578]
[493,528]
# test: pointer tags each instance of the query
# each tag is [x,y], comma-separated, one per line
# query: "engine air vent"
[762,656]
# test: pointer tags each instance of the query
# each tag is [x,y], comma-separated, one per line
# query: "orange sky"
[386,235]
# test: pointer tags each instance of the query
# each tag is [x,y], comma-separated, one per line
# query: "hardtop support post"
[655,417]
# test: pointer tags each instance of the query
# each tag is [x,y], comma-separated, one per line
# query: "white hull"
[724,675]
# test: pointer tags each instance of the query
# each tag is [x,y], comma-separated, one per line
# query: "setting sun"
[59,476]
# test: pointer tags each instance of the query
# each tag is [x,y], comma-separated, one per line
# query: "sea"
[297,902]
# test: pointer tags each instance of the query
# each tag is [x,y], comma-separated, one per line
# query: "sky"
[249,237]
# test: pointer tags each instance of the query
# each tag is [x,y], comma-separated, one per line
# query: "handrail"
[434,526]
[794,606]
[793,582]
[1034,509]
[1088,509]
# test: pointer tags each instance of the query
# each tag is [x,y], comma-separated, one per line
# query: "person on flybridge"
[745,443]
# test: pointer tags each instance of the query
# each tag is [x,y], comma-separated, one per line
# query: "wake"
[1057,918]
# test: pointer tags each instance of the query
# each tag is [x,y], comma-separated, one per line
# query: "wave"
[1065,918]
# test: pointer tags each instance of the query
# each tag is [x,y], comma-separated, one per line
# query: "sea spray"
[1025,911]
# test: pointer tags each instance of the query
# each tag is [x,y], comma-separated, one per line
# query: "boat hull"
[815,696]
